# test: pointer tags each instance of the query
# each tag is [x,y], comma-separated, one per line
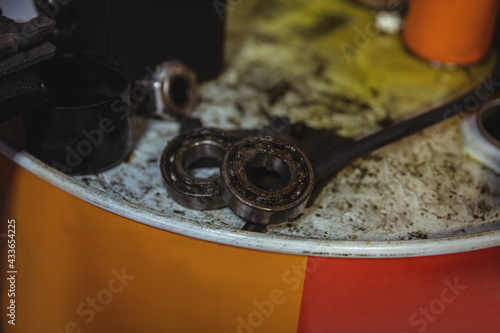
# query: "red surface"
[403,295]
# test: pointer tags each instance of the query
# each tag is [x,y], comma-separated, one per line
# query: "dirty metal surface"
[418,196]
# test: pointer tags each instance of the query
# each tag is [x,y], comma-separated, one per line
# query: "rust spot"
[485,189]
[417,235]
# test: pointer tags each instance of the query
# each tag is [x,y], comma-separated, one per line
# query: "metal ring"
[480,136]
[487,121]
[173,89]
[266,180]
[181,154]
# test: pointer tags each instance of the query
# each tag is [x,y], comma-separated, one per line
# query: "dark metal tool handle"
[336,160]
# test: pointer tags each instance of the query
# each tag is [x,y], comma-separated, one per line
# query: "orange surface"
[69,252]
[451,31]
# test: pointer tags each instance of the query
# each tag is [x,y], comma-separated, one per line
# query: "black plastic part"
[141,34]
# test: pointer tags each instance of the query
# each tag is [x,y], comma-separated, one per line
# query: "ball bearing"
[203,147]
[266,180]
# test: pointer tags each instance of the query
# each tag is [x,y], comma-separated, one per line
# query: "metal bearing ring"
[266,180]
[202,147]
[172,89]
[481,135]
[488,119]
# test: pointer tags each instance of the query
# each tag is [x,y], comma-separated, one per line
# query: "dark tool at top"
[22,45]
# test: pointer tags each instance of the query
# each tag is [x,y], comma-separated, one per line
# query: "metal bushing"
[172,89]
[198,148]
[85,126]
[481,135]
[266,180]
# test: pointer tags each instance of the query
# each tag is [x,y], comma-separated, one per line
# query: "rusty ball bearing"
[266,180]
[203,147]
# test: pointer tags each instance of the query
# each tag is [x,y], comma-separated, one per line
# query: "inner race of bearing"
[268,172]
[179,90]
[203,159]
